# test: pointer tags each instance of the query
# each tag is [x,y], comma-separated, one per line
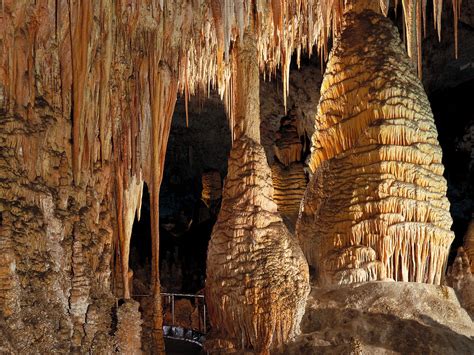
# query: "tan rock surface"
[289,185]
[384,318]
[256,275]
[376,206]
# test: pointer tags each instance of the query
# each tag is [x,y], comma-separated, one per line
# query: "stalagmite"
[460,277]
[211,187]
[288,147]
[469,244]
[376,206]
[257,278]
[289,187]
[128,336]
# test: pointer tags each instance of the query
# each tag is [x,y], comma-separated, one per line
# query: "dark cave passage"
[454,119]
[196,163]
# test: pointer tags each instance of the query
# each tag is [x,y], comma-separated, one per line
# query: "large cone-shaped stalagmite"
[257,278]
[376,206]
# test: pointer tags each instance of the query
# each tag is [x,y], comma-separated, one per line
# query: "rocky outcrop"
[384,318]
[376,206]
[257,278]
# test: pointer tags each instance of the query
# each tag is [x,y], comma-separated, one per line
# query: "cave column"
[163,91]
[257,278]
[245,100]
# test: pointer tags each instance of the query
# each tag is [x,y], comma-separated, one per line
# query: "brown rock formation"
[289,185]
[469,244]
[211,188]
[460,278]
[87,90]
[128,335]
[288,146]
[384,318]
[376,206]
[257,278]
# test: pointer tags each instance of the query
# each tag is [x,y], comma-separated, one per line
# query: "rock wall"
[56,239]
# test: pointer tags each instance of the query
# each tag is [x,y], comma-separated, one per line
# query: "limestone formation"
[288,147]
[128,336]
[460,278]
[289,187]
[376,206]
[469,244]
[87,92]
[257,278]
[289,179]
[211,189]
[384,318]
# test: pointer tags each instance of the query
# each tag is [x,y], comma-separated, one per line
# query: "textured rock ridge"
[289,187]
[128,336]
[257,278]
[288,147]
[376,206]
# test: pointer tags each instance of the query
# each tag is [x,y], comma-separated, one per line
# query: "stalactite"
[80,20]
[163,90]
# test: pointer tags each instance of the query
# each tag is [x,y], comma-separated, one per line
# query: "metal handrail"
[182,295]
[172,296]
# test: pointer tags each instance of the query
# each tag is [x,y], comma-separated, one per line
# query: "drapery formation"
[376,206]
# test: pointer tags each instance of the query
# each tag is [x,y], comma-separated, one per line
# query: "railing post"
[172,309]
[205,328]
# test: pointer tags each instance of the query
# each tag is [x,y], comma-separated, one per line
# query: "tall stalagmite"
[376,206]
[257,278]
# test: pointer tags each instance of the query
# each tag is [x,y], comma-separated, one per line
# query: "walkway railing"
[187,332]
[199,303]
